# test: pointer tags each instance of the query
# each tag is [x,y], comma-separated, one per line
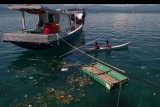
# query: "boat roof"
[76,9]
[71,11]
[34,9]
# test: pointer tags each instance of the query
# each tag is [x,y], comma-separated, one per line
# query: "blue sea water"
[34,78]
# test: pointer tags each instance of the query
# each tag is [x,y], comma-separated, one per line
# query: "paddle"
[78,47]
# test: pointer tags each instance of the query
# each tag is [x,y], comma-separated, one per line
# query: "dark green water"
[35,77]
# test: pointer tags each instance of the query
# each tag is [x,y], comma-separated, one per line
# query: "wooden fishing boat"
[122,46]
[52,28]
[105,75]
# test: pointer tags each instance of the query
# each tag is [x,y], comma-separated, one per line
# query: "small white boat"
[122,46]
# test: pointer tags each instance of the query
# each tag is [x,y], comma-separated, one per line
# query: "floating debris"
[30,77]
[147,73]
[69,96]
[64,69]
[82,95]
[78,89]
[25,96]
[36,82]
[77,99]
[91,83]
[50,90]
[154,93]
[142,67]
[29,105]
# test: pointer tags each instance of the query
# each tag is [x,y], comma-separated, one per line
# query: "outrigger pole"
[23,21]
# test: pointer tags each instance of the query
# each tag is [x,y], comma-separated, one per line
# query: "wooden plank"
[22,37]
[109,79]
[94,71]
[102,75]
[104,69]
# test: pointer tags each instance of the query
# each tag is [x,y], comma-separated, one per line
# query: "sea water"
[36,79]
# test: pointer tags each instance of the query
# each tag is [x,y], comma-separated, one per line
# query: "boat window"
[40,22]
[50,17]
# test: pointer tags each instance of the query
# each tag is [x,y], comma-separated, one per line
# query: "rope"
[92,56]
[119,93]
[78,47]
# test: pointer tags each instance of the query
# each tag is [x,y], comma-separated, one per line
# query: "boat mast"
[23,21]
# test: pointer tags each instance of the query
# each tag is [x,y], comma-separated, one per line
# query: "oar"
[78,48]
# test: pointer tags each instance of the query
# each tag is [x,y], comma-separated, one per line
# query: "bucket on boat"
[56,27]
[48,29]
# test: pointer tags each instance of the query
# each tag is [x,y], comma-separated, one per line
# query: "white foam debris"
[29,105]
[30,77]
[64,69]
[154,93]
[25,96]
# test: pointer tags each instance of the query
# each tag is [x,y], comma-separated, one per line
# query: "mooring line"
[119,93]
[92,56]
[78,47]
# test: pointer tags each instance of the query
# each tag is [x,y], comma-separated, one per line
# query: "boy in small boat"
[108,45]
[97,45]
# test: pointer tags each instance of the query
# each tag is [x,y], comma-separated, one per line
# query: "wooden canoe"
[122,46]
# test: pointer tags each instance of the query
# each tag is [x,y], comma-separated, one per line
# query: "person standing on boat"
[97,45]
[108,45]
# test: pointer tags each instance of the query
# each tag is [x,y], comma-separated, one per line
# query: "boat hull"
[70,38]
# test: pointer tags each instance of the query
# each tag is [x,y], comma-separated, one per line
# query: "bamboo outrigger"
[105,75]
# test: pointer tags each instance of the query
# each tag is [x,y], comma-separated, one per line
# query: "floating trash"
[147,73]
[83,95]
[78,89]
[36,82]
[25,96]
[154,93]
[29,105]
[77,99]
[142,67]
[30,77]
[70,96]
[64,69]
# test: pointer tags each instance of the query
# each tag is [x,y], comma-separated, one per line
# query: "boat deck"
[35,36]
[105,75]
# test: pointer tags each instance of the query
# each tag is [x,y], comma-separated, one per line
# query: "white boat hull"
[122,46]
